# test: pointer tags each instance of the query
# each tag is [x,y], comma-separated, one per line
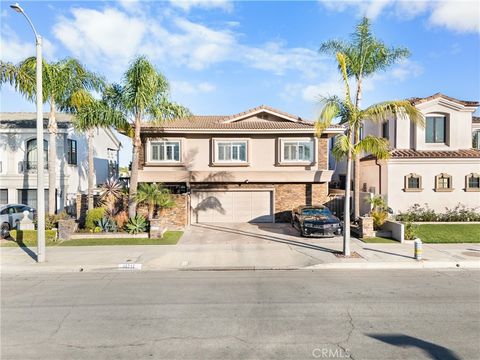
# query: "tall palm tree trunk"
[356,162]
[90,169]
[346,209]
[52,157]
[132,203]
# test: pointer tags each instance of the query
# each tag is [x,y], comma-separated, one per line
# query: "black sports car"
[312,220]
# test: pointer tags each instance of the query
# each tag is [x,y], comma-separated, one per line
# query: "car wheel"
[4,230]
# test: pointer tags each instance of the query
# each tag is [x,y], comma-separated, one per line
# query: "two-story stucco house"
[254,166]
[434,164]
[18,155]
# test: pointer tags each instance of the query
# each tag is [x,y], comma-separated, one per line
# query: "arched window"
[443,182]
[472,182]
[32,154]
[413,182]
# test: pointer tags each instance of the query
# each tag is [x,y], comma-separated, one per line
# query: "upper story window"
[385,130]
[32,154]
[231,151]
[165,151]
[297,151]
[472,182]
[476,139]
[413,182]
[435,129]
[72,152]
[443,182]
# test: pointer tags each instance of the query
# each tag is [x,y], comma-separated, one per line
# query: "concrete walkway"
[245,246]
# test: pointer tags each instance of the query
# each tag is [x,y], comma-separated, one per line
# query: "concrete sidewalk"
[314,254]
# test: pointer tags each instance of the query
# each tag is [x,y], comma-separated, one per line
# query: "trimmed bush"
[418,213]
[92,218]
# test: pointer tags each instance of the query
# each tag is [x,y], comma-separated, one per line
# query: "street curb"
[422,264]
[425,264]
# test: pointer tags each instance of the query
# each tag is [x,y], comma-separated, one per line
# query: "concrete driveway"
[246,233]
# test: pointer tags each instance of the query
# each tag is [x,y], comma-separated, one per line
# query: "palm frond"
[381,112]
[341,147]
[374,145]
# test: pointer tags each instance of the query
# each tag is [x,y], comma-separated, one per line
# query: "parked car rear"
[10,216]
[316,220]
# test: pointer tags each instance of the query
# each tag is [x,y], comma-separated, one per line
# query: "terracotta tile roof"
[232,122]
[423,154]
[476,119]
[417,100]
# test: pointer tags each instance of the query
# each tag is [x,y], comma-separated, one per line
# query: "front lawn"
[379,240]
[449,233]
[169,238]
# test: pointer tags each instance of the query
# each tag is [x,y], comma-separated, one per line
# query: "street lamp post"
[40,162]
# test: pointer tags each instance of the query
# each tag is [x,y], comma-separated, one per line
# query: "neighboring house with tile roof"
[435,165]
[18,170]
[255,166]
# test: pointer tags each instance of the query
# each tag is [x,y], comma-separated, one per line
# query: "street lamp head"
[17,8]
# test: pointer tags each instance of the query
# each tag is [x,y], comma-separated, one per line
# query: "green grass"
[169,238]
[379,240]
[449,233]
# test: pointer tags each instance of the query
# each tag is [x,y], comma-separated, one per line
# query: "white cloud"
[93,34]
[460,16]
[187,5]
[186,87]
[112,37]
[456,15]
[13,49]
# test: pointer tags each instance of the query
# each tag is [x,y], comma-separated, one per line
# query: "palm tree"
[364,56]
[154,195]
[60,80]
[351,116]
[142,96]
[89,114]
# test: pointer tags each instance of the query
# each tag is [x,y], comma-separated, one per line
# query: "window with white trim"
[165,151]
[297,151]
[231,151]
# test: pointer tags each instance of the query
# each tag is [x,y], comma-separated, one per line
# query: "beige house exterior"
[254,166]
[433,165]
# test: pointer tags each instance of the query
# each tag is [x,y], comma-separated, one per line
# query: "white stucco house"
[435,165]
[18,170]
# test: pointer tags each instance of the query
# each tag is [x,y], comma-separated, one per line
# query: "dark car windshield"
[316,211]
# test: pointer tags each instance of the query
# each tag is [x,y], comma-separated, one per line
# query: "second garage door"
[232,206]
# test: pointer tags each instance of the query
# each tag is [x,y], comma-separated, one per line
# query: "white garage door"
[232,206]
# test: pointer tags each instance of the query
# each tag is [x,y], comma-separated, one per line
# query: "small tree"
[154,195]
[379,211]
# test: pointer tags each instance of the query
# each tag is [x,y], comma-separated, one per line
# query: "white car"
[10,216]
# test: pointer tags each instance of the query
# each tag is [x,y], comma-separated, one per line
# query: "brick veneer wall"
[289,196]
[323,153]
[174,218]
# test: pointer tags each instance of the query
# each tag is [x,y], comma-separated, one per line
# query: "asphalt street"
[330,314]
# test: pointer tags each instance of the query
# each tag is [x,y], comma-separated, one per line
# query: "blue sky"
[224,57]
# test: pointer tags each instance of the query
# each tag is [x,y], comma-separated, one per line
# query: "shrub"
[419,213]
[136,224]
[379,218]
[107,225]
[121,219]
[410,231]
[93,216]
[51,221]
